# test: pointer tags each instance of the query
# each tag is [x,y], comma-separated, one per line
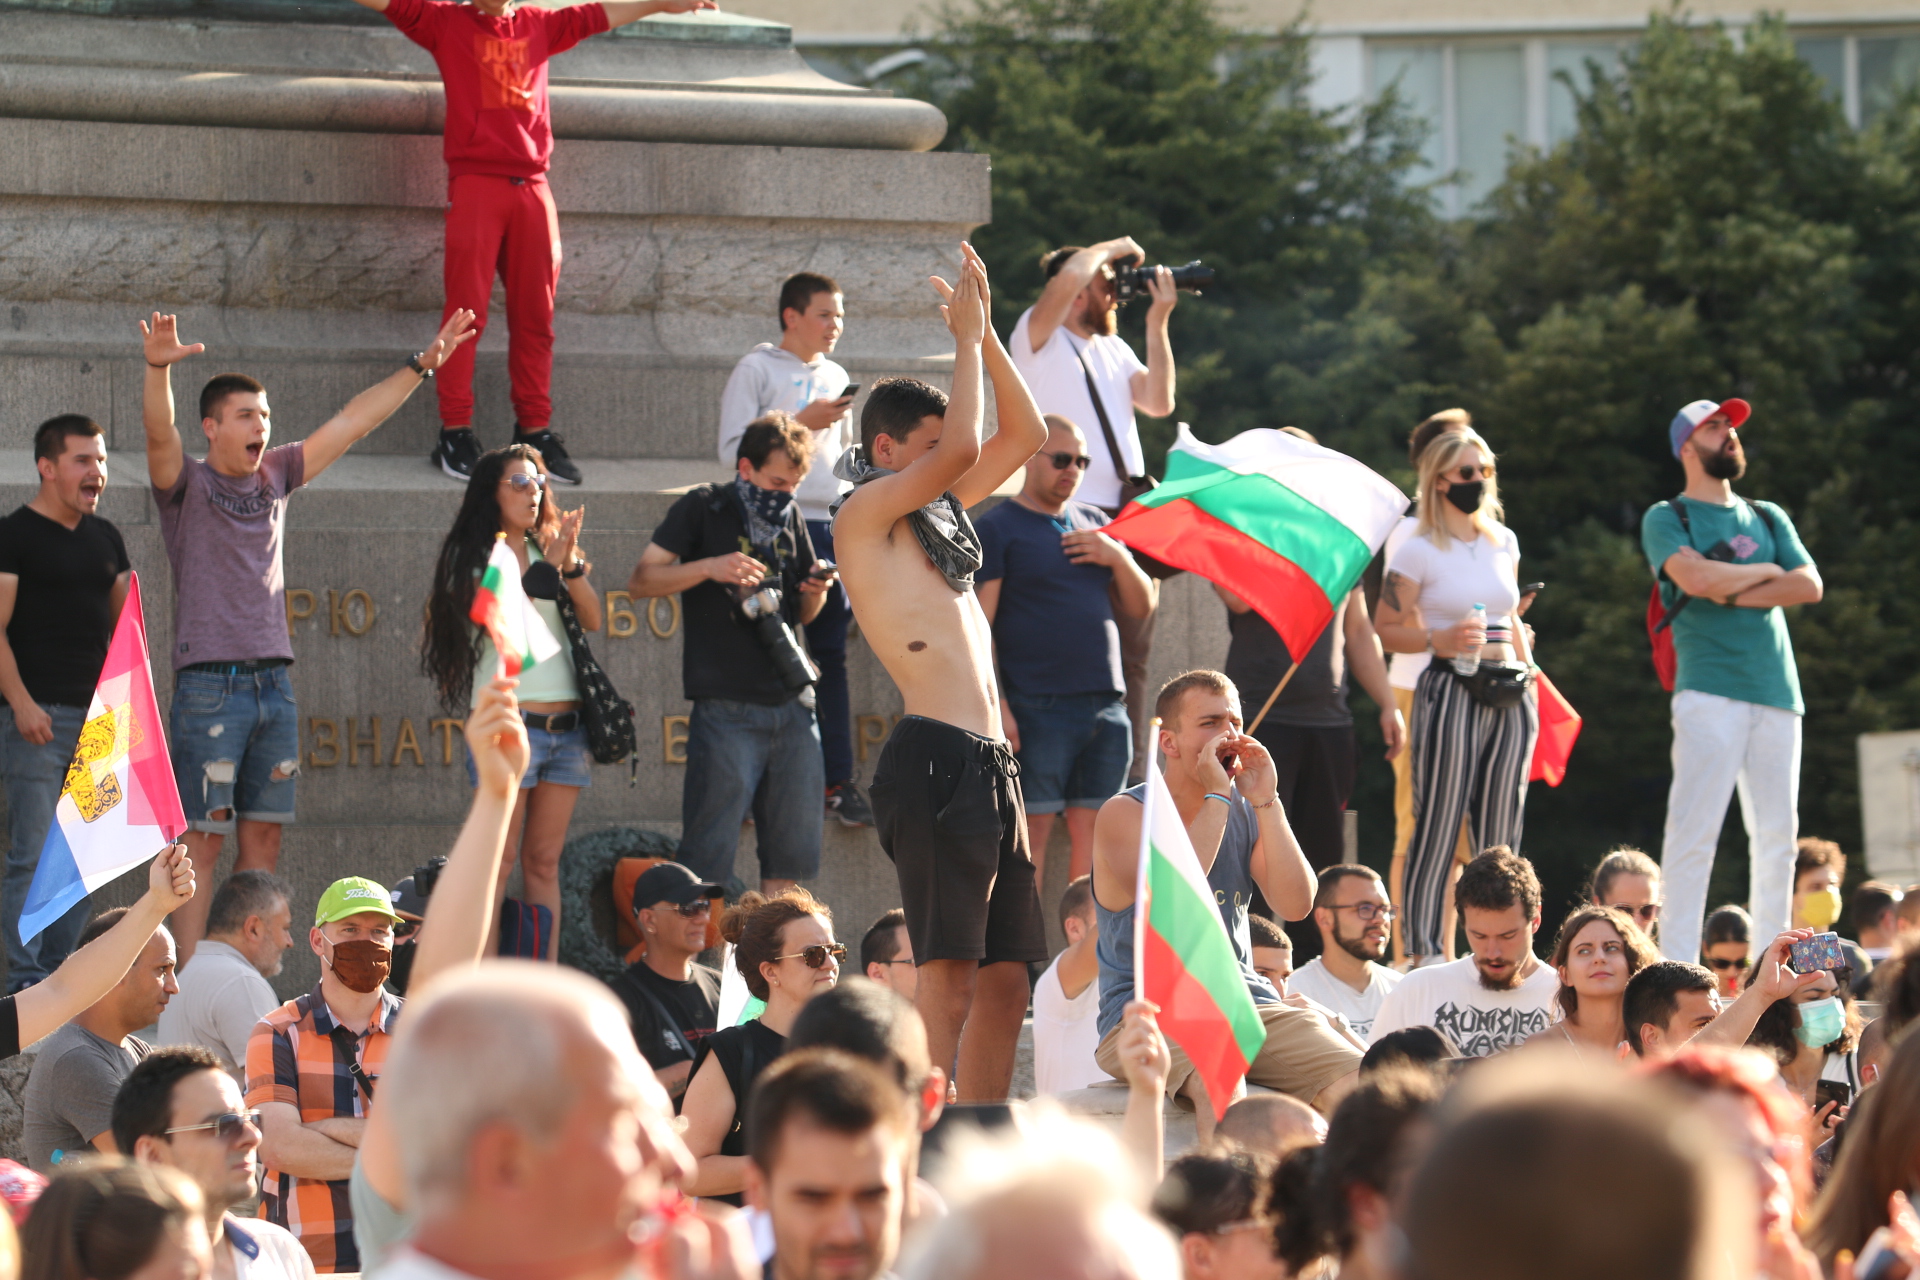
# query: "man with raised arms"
[946,793]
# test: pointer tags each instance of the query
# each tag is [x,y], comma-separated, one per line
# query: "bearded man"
[1355,920]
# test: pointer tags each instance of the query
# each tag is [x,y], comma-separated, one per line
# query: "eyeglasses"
[1245,1224]
[1061,461]
[1366,911]
[226,1126]
[521,481]
[816,955]
[1468,474]
[1736,965]
[1647,911]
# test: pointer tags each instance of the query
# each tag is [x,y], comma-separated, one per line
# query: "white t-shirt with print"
[1480,1022]
[1054,375]
[1318,983]
[1065,1035]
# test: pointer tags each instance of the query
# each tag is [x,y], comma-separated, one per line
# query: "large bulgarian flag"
[500,605]
[1286,525]
[1182,958]
[118,805]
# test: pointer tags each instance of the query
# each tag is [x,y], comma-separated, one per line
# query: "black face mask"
[1466,496]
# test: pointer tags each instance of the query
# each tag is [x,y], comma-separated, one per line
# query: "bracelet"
[413,363]
[152,365]
[1269,804]
[579,570]
[1215,795]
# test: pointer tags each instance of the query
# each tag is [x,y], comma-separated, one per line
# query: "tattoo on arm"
[1391,590]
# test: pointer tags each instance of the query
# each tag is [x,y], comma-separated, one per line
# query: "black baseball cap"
[671,882]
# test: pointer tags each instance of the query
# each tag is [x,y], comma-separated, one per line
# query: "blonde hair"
[1437,459]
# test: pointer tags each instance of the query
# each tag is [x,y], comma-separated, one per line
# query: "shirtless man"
[946,796]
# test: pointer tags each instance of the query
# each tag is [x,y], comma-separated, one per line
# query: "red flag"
[1559,726]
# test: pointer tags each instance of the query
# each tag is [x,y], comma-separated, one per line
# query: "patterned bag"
[608,716]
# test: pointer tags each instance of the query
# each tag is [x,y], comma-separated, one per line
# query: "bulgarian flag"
[1286,525]
[1182,958]
[520,635]
[118,805]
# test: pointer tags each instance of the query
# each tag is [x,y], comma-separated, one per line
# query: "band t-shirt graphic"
[1479,1020]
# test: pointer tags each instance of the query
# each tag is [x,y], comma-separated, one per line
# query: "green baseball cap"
[351,897]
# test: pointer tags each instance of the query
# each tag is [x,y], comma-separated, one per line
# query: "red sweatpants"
[504,226]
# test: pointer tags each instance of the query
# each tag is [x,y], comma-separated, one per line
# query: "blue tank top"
[1232,882]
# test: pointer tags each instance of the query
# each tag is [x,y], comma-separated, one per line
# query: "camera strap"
[1106,427]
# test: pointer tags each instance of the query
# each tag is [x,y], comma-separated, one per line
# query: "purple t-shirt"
[224,538]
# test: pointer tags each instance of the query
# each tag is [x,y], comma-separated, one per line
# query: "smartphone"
[1826,1091]
[822,571]
[1878,1260]
[1532,589]
[1821,951]
[853,389]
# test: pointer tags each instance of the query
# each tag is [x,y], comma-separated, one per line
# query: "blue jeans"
[827,643]
[745,756]
[1074,748]
[33,775]
[236,747]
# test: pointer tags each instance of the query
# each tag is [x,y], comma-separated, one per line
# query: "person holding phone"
[1814,1034]
[797,377]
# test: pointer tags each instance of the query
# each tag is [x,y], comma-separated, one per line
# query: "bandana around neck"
[766,511]
[942,527]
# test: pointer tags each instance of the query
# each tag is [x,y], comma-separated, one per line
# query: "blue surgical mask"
[1821,1022]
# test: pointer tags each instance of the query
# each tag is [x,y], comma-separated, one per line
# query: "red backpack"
[1666,663]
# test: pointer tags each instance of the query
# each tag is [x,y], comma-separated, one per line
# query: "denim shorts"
[561,758]
[236,746]
[1074,748]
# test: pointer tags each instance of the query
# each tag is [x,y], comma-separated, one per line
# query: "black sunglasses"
[1061,461]
[1648,911]
[1714,963]
[816,955]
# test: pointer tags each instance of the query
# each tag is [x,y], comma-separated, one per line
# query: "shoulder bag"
[608,716]
[1131,487]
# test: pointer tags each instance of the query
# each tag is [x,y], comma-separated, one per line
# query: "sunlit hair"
[1881,1156]
[1751,1077]
[105,1219]
[1624,861]
[1435,461]
[1634,945]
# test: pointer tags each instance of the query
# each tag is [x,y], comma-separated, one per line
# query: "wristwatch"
[413,363]
[579,570]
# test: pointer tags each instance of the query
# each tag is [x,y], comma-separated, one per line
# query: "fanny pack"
[1498,685]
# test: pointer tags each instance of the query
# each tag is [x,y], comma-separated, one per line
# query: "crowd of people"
[1663,1090]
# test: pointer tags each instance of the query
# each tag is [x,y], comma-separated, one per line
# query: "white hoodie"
[770,377]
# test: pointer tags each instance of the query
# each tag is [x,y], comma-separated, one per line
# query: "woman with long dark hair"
[507,498]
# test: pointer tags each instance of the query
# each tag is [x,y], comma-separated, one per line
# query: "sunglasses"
[226,1126]
[688,910]
[1468,474]
[1741,963]
[816,955]
[1646,911]
[521,481]
[405,929]
[1061,461]
[1366,911]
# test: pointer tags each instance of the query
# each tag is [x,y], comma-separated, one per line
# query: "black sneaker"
[456,452]
[559,466]
[845,802]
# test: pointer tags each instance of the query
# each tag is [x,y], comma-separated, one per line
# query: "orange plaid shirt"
[292,1058]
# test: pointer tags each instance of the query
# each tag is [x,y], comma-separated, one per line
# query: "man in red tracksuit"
[492,56]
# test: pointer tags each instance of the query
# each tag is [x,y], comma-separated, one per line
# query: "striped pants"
[1467,759]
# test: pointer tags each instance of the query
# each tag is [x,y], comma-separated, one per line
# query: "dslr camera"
[758,609]
[1131,282]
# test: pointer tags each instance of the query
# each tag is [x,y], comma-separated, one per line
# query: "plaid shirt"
[292,1059]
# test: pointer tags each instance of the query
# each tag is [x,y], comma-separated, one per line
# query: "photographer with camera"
[1068,349]
[1725,567]
[739,555]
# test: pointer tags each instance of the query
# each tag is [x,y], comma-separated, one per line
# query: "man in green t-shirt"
[1728,565]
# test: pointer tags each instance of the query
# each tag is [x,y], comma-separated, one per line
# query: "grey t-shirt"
[224,536]
[69,1094]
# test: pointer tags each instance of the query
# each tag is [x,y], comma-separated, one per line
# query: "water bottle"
[1468,660]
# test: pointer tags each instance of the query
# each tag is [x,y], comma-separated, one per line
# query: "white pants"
[1719,745]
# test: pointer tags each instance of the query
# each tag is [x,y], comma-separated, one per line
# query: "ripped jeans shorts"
[236,746]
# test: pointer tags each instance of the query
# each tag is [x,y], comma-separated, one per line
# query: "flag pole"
[1142,892]
[1271,698]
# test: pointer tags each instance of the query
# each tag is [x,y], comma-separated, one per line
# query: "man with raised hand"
[233,724]
[946,792]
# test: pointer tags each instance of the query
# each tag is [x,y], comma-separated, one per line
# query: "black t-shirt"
[63,613]
[670,1026]
[9,1028]
[1257,660]
[721,658]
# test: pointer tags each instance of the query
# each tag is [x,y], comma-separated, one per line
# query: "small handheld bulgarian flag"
[500,605]
[1182,958]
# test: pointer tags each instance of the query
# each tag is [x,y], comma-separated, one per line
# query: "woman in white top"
[1468,758]
[507,496]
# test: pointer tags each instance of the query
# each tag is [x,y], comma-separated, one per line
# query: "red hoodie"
[495,73]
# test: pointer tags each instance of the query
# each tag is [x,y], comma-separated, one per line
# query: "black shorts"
[947,806]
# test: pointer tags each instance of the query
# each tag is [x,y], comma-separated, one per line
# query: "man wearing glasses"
[1355,921]
[180,1108]
[1053,586]
[673,1003]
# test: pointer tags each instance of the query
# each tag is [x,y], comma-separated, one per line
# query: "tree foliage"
[1714,228]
